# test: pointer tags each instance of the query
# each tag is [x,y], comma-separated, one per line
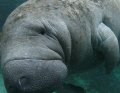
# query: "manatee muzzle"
[34,76]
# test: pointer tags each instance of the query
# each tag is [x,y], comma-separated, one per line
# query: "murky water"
[2,88]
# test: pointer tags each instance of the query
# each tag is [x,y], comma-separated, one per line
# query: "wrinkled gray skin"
[44,40]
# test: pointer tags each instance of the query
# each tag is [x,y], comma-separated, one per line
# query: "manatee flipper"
[107,43]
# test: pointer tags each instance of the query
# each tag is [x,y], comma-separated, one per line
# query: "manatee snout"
[34,76]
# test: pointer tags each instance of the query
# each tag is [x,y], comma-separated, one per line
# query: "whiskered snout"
[34,76]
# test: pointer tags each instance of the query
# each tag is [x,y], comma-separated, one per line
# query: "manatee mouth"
[33,75]
[15,59]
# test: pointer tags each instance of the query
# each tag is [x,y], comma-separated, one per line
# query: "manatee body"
[44,40]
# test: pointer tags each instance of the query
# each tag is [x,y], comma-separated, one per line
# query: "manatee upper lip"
[15,59]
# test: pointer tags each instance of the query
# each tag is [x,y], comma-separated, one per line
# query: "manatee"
[44,41]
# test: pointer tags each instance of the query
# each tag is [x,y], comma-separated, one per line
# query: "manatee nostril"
[23,81]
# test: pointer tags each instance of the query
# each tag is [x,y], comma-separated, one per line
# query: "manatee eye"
[42,31]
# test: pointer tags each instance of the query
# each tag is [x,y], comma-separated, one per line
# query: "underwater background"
[93,81]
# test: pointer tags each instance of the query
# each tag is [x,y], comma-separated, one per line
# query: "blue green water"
[2,88]
[6,7]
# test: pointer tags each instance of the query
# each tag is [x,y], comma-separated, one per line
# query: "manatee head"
[34,53]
